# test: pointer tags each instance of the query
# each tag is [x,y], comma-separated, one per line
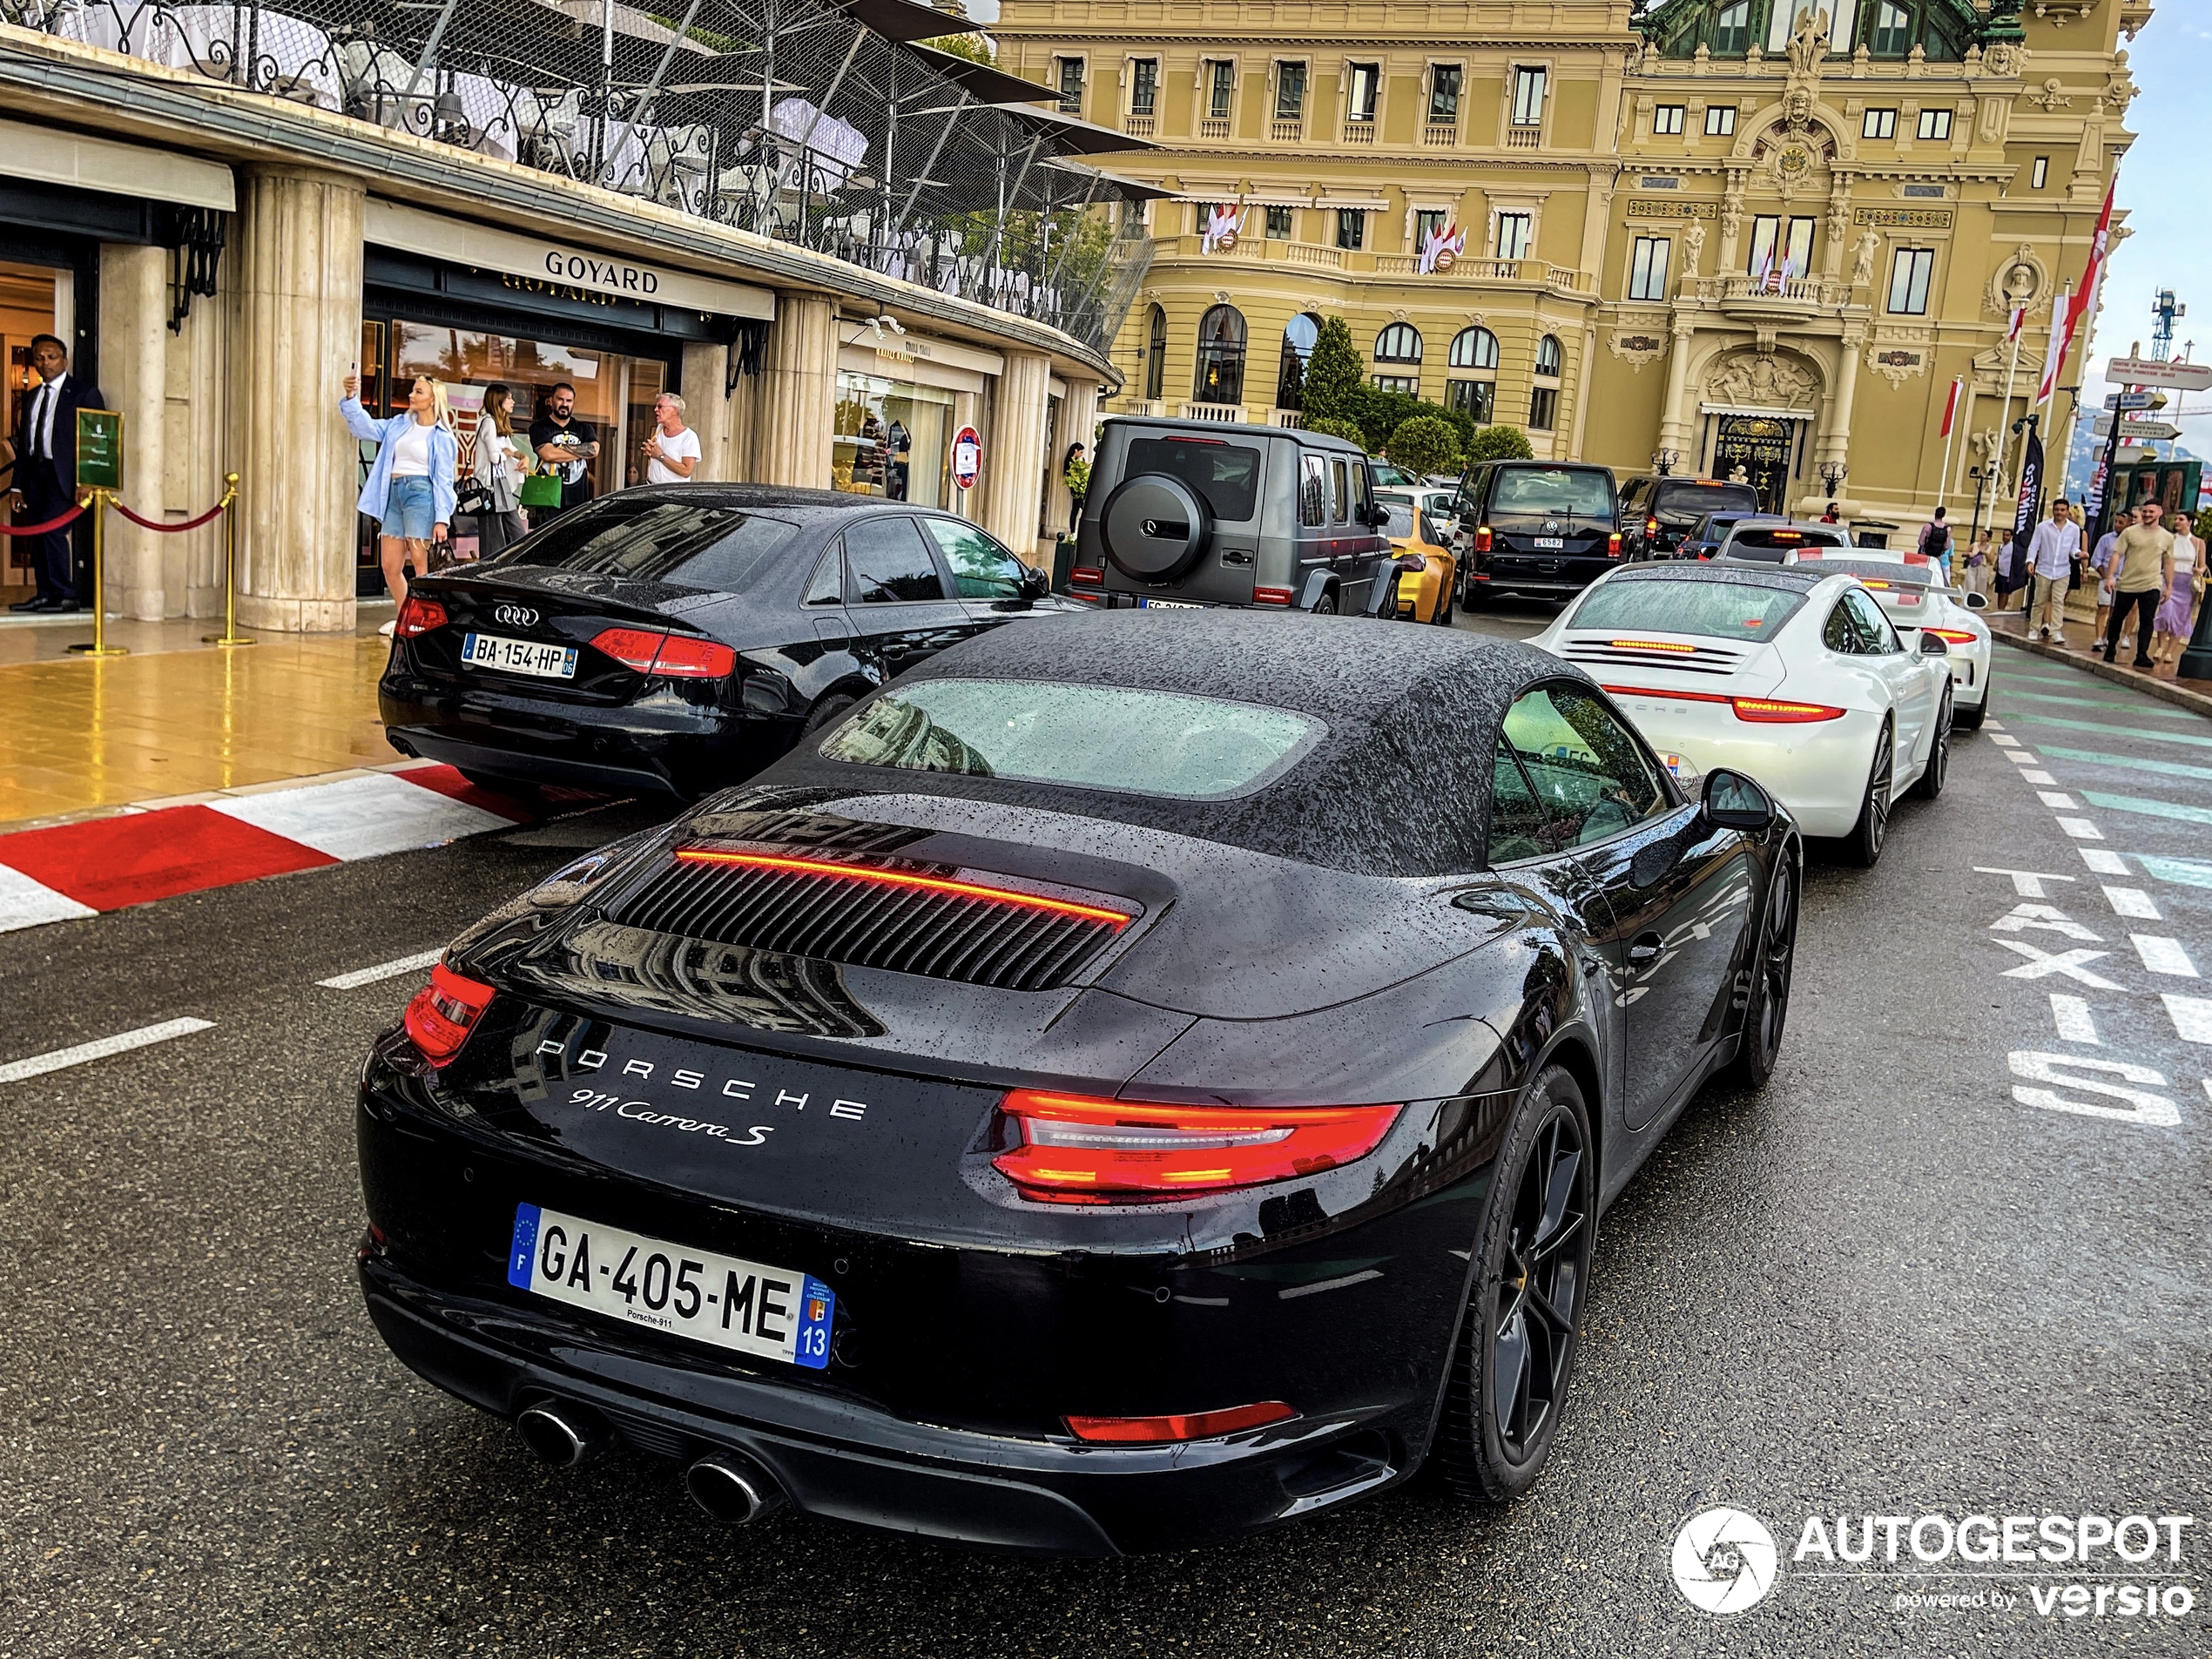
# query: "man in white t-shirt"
[672,453]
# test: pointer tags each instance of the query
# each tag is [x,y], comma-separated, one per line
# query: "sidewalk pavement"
[2008,627]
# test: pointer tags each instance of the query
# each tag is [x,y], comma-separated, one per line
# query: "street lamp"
[1832,474]
[1664,461]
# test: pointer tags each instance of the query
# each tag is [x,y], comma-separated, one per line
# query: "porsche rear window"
[1162,744]
[1720,609]
[1226,474]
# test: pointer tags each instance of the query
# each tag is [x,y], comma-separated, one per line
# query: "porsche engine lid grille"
[905,915]
[1654,653]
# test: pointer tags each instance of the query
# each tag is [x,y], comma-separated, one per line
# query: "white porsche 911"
[1791,674]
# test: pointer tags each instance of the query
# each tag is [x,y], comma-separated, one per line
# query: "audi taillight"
[1613,545]
[1482,538]
[1082,1149]
[1768,710]
[1950,636]
[419,616]
[676,656]
[1271,596]
[1177,1426]
[443,1013]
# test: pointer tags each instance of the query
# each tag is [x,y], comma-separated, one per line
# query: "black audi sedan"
[677,638]
[1126,1084]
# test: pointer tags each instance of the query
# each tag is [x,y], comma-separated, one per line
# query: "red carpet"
[111,862]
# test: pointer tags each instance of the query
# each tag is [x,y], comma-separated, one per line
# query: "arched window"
[1220,375]
[1399,343]
[1474,348]
[1732,29]
[1155,355]
[1891,35]
[1548,357]
[1298,345]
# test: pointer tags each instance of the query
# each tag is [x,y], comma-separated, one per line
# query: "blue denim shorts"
[408,504]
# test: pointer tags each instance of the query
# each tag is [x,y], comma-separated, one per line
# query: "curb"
[2164,691]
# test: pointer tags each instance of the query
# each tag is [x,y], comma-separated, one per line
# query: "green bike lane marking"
[2145,807]
[2166,768]
[2104,727]
[2108,703]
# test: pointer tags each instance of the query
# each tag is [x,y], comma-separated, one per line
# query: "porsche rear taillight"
[1177,1426]
[674,656]
[418,615]
[1083,1148]
[444,1012]
[1950,636]
[1771,710]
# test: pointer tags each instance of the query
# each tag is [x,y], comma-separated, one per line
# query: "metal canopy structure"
[820,122]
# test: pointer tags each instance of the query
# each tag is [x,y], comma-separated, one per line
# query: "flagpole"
[1950,432]
[2004,431]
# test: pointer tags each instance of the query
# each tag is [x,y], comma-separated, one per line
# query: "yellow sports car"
[1428,571]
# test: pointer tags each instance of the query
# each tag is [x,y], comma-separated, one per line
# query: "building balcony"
[1256,250]
[1213,127]
[1359,132]
[1229,413]
[1287,130]
[1528,138]
[1440,135]
[1140,126]
[1771,300]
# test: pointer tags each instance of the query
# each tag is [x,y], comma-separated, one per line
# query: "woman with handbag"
[410,487]
[499,474]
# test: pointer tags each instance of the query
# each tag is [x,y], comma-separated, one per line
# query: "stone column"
[1834,444]
[1078,414]
[706,408]
[294,267]
[1014,464]
[1674,429]
[134,293]
[798,393]
[196,450]
[1731,223]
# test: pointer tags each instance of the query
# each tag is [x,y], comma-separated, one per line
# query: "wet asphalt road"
[1885,1285]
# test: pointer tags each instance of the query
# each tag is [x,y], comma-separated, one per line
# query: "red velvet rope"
[40,529]
[208,517]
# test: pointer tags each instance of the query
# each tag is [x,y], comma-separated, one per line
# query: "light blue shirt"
[445,460]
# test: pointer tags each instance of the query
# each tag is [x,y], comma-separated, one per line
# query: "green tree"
[1500,443]
[1349,431]
[1425,444]
[1333,372]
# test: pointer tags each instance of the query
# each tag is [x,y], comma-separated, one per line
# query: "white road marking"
[2163,955]
[2042,917]
[2081,829]
[2071,1015]
[2027,883]
[2004,743]
[2192,1016]
[2037,777]
[26,903]
[39,1064]
[2152,1111]
[2103,860]
[361,817]
[2041,964]
[1991,725]
[2131,901]
[2057,800]
[1360,1278]
[2017,756]
[361,977]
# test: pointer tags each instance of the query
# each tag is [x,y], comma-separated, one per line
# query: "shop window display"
[891,440]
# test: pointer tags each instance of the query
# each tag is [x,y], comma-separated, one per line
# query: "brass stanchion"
[99,647]
[230,637]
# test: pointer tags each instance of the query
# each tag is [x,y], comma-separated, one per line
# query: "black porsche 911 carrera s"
[1126,1084]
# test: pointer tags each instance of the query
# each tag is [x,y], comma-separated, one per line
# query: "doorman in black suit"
[46,470]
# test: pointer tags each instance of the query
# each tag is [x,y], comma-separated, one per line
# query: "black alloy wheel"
[1325,605]
[1769,1008]
[1517,1339]
[1864,844]
[828,709]
[1931,781]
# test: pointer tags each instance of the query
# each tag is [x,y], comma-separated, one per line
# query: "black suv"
[1193,513]
[1540,528]
[1658,513]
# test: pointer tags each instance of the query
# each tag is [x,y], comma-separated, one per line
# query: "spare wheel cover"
[1155,526]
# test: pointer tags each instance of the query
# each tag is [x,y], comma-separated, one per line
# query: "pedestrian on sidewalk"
[1978,571]
[1935,544]
[1833,515]
[45,475]
[499,468]
[2102,562]
[2144,556]
[2171,632]
[2051,554]
[672,453]
[567,446]
[410,487]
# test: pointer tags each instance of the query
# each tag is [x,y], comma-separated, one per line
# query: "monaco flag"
[2083,300]
[1951,409]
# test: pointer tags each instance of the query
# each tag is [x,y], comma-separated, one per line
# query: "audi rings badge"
[516,616]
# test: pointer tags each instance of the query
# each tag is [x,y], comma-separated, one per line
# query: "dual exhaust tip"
[727,1485]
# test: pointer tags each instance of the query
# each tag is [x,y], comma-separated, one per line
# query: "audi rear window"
[1718,609]
[1679,501]
[691,544]
[1579,491]
[1162,744]
[1226,476]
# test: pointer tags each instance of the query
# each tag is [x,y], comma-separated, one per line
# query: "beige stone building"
[1718,234]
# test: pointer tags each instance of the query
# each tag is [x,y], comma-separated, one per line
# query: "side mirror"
[1034,583]
[1733,801]
[1977,602]
[1931,645]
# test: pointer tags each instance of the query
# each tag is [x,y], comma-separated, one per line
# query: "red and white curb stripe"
[101,864]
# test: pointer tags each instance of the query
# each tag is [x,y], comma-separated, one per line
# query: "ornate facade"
[1721,232]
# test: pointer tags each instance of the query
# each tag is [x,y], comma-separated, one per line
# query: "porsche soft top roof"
[1398,786]
[1790,578]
